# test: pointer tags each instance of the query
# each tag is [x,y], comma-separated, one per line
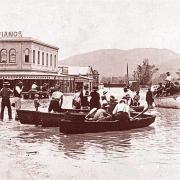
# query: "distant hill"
[113,62]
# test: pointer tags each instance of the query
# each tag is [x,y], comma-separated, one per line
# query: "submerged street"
[30,152]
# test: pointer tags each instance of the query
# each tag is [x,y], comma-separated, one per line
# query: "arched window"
[3,56]
[12,56]
[26,55]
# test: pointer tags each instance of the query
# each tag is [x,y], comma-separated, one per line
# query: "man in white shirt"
[17,96]
[34,86]
[121,110]
[56,100]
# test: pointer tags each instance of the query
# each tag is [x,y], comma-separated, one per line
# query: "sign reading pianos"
[11,34]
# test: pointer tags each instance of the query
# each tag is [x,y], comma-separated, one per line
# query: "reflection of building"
[82,75]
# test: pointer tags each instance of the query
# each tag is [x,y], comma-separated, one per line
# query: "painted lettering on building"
[11,34]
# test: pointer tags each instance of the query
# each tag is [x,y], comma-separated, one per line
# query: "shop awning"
[32,75]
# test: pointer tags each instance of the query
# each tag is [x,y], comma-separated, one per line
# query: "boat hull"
[50,119]
[43,118]
[168,102]
[80,126]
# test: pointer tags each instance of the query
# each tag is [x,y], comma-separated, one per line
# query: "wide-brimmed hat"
[19,82]
[105,105]
[104,92]
[36,95]
[6,83]
[128,96]
[122,100]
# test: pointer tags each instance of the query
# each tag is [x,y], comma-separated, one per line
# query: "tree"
[144,73]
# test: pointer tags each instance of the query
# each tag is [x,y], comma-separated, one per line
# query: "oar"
[139,114]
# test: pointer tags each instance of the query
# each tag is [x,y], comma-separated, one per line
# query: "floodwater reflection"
[75,146]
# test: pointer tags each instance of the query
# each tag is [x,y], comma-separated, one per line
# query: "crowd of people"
[100,108]
[98,105]
[6,93]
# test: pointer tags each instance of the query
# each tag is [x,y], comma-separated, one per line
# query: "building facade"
[82,75]
[32,61]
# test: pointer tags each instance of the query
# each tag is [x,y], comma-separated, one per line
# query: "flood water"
[29,152]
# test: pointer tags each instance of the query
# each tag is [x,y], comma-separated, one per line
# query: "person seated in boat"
[128,95]
[36,101]
[159,90]
[121,111]
[84,97]
[112,104]
[95,98]
[76,101]
[129,99]
[136,99]
[56,100]
[102,114]
[103,100]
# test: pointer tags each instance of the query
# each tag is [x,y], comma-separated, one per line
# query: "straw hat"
[122,100]
[36,95]
[105,105]
[6,83]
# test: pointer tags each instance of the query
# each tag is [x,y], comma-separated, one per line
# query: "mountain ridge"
[113,62]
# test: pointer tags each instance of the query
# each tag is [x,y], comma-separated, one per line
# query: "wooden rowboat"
[76,124]
[50,119]
[44,118]
[168,102]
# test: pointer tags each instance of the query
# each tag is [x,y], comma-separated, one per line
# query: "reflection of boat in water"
[74,123]
[168,102]
[52,119]
[77,145]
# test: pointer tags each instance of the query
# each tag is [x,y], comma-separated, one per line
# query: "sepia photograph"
[90,90]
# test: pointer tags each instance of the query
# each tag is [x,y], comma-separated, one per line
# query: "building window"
[38,57]
[51,60]
[54,61]
[34,56]
[3,56]
[47,59]
[12,56]
[26,55]
[42,58]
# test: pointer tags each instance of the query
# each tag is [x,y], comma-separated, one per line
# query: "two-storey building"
[30,60]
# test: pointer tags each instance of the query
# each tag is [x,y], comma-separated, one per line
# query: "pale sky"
[79,26]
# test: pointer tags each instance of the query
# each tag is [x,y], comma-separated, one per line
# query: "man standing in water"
[17,96]
[5,93]
[95,98]
[56,100]
[84,97]
[149,98]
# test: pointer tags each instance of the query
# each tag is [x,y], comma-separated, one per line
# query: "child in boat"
[36,101]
